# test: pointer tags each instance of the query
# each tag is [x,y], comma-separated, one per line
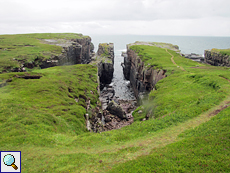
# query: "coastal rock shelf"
[75,51]
[27,51]
[194,57]
[216,58]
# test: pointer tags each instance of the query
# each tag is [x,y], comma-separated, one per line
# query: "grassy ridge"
[41,118]
[204,149]
[222,51]
[33,110]
[27,47]
[188,92]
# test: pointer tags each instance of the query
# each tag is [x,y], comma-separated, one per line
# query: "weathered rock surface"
[216,59]
[142,79]
[115,109]
[104,59]
[113,113]
[194,57]
[74,51]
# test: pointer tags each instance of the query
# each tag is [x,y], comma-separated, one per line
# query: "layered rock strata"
[104,59]
[112,113]
[142,79]
[74,51]
[216,59]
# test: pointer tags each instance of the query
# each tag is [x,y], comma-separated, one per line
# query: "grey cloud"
[102,15]
[88,10]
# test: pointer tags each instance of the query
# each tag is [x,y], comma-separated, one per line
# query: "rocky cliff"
[216,58]
[142,79]
[104,59]
[74,51]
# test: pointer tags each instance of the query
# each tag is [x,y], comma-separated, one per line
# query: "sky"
[116,17]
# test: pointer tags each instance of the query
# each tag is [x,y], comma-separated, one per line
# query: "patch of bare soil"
[213,113]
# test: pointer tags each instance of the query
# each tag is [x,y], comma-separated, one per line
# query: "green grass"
[41,118]
[25,48]
[158,58]
[203,149]
[185,93]
[33,110]
[222,51]
[105,48]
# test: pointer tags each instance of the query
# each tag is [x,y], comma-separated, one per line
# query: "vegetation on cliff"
[221,51]
[181,87]
[16,50]
[42,115]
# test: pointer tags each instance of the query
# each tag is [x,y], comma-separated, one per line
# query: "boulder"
[115,109]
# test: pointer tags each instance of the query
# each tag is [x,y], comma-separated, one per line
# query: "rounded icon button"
[9,160]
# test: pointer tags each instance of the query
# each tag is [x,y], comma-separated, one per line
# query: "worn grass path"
[107,156]
[173,60]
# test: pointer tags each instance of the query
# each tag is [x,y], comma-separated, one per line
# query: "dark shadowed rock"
[104,59]
[115,109]
[216,59]
[141,79]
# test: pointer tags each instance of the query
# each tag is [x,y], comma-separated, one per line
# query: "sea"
[187,45]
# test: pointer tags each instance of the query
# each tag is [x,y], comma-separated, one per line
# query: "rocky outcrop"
[142,79]
[194,57]
[74,51]
[104,59]
[216,58]
[116,109]
[117,115]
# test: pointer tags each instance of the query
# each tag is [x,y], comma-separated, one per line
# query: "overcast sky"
[140,17]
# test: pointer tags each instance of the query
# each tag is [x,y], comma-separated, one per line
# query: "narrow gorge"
[114,112]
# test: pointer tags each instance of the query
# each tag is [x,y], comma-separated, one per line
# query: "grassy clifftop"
[190,87]
[221,51]
[15,49]
[44,118]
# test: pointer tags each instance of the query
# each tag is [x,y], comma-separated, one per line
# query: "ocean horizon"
[187,44]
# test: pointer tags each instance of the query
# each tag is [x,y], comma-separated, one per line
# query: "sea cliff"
[218,57]
[104,59]
[22,51]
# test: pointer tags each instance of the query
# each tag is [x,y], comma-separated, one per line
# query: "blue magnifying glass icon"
[9,160]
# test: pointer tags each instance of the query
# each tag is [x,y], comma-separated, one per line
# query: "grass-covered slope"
[25,48]
[203,149]
[41,118]
[33,111]
[190,88]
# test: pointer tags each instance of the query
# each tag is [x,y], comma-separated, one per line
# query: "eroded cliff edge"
[104,59]
[217,57]
[112,113]
[74,51]
[28,51]
[142,78]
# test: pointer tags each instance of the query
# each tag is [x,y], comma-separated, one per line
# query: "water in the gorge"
[121,86]
[187,45]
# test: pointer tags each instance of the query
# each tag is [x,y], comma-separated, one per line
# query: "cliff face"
[74,51]
[216,59]
[142,79]
[104,59]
